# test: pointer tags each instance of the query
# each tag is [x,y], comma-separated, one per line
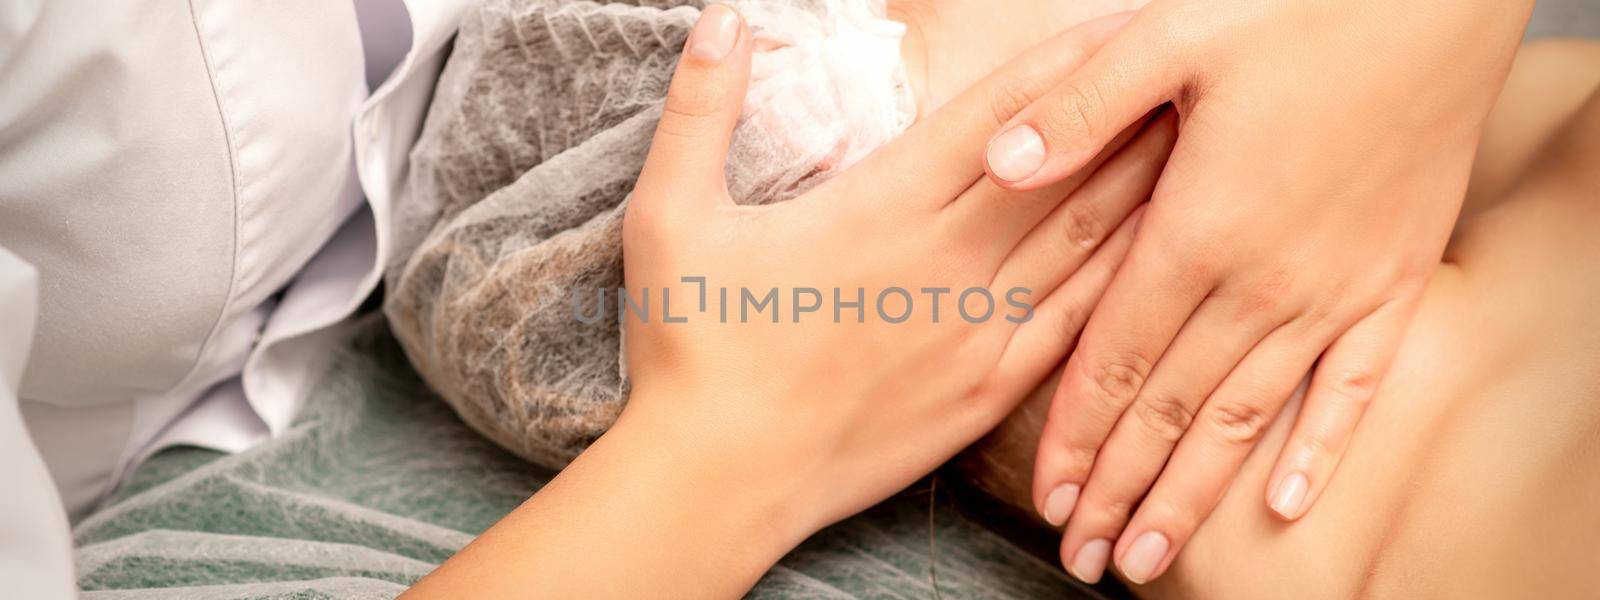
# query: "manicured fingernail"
[1016,154]
[1090,562]
[1291,493]
[1144,557]
[714,34]
[1058,505]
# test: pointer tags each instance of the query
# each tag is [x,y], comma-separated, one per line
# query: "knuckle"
[1076,112]
[1117,376]
[1083,228]
[1255,302]
[1306,325]
[1202,260]
[679,126]
[689,112]
[1352,389]
[696,100]
[1164,415]
[1262,298]
[1191,248]
[1010,97]
[1265,296]
[1314,444]
[1326,311]
[1319,315]
[1239,423]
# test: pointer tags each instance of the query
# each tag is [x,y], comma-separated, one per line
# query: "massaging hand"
[1323,156]
[741,438]
[836,416]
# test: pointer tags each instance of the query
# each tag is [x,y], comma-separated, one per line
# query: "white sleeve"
[35,544]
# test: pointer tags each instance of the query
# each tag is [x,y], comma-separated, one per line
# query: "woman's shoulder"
[1528,254]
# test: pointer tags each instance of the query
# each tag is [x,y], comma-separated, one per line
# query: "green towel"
[378,482]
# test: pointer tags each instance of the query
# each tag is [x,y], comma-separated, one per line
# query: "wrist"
[651,509]
[745,504]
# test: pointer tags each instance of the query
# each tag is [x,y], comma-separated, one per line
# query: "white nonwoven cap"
[538,129]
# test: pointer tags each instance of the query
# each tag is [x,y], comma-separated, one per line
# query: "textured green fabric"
[378,481]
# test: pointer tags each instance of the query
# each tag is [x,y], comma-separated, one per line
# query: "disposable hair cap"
[517,186]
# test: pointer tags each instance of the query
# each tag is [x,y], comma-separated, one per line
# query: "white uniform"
[35,549]
[187,182]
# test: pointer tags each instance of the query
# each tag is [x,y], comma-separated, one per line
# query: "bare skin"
[1476,469]
[772,454]
[745,460]
[951,44]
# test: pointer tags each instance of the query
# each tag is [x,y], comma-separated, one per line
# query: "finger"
[1346,379]
[938,158]
[1060,132]
[1051,327]
[690,147]
[1208,458]
[1219,335]
[1051,250]
[993,218]
[1149,300]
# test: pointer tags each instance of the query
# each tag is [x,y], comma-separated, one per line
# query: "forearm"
[645,512]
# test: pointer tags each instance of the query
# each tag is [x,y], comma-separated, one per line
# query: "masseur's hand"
[753,422]
[1323,156]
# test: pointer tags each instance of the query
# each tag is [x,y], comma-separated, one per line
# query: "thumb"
[690,147]
[1063,130]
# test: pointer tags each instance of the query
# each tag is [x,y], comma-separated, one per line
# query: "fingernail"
[1144,557]
[1090,561]
[1291,493]
[714,34]
[1016,154]
[1058,505]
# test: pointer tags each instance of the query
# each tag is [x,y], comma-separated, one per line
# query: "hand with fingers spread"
[804,360]
[1323,154]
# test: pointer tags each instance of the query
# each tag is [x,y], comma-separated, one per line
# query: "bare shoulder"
[1548,82]
[1534,249]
